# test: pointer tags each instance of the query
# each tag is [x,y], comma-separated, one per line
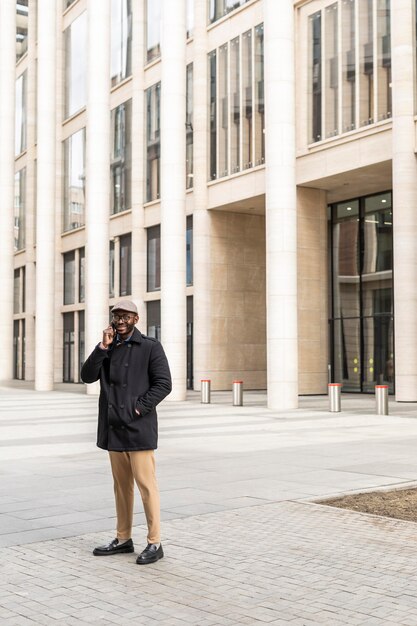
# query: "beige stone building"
[245,171]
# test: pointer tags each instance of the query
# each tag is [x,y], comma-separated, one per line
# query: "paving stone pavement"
[244,541]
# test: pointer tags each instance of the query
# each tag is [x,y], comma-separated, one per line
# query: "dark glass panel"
[121,157]
[153,142]
[81,339]
[121,40]
[153,311]
[347,353]
[378,345]
[189,119]
[346,251]
[69,277]
[190,322]
[154,258]
[189,250]
[315,66]
[68,362]
[81,275]
[212,114]
[126,265]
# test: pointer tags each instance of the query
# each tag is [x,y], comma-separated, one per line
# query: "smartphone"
[113,325]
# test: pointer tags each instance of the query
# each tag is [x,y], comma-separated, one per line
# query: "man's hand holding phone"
[109,334]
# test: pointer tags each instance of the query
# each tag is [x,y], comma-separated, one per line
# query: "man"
[134,377]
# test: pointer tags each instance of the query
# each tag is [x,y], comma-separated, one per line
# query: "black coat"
[133,375]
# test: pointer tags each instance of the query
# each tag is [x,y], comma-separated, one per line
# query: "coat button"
[124,385]
[111,427]
[111,384]
[122,406]
[110,406]
[129,345]
[126,364]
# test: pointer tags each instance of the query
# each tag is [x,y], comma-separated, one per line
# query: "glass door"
[362,316]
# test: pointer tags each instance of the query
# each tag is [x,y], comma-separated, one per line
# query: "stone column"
[7,123]
[201,216]
[30,348]
[138,165]
[97,173]
[404,174]
[46,206]
[280,206]
[173,222]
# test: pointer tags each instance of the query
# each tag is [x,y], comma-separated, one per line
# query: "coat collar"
[136,336]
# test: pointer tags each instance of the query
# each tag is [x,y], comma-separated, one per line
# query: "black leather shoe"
[114,547]
[150,554]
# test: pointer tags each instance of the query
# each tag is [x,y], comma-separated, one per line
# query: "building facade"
[244,170]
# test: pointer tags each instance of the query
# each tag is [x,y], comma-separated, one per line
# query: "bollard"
[237,392]
[381,398]
[205,391]
[335,397]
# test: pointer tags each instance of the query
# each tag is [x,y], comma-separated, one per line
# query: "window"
[189,254]
[236,104]
[259,110]
[189,128]
[120,266]
[154,258]
[74,181]
[20,117]
[125,280]
[19,289]
[19,209]
[121,40]
[348,46]
[384,59]
[213,113]
[223,128]
[16,291]
[74,276]
[22,18]
[69,277]
[75,65]
[315,62]
[153,142]
[219,8]
[247,100]
[74,321]
[349,79]
[153,29]
[366,63]
[332,70]
[121,157]
[153,314]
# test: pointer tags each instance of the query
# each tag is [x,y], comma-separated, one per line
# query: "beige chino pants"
[128,468]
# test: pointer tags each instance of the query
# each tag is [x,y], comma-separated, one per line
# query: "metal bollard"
[381,398]
[335,397]
[205,391]
[237,392]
